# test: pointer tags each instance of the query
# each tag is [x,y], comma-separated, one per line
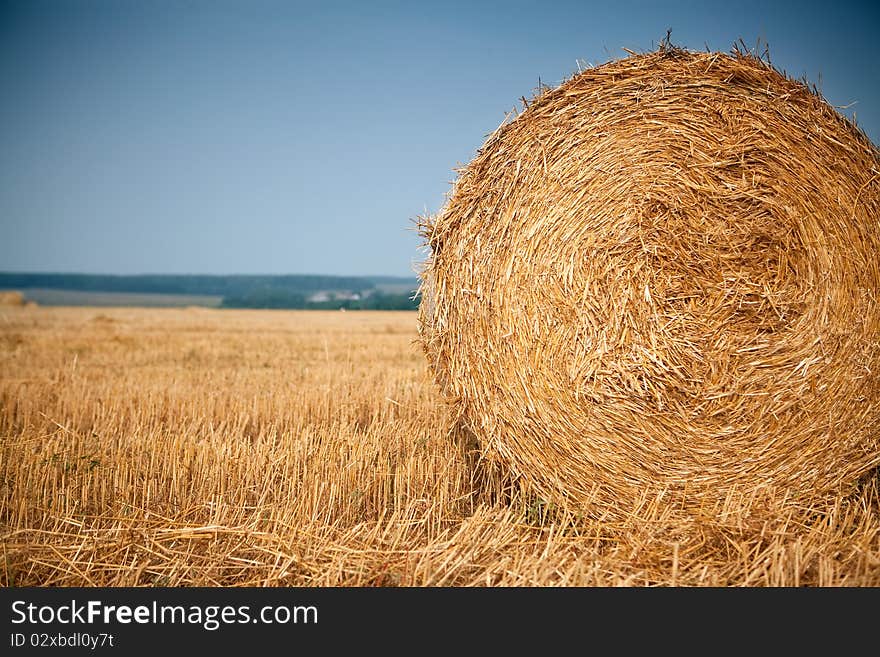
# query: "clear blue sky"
[159,136]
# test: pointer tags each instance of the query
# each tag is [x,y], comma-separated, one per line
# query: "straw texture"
[662,279]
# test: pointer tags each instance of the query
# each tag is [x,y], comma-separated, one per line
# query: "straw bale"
[11,298]
[662,278]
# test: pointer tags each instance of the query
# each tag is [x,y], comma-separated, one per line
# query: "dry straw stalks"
[175,447]
[661,282]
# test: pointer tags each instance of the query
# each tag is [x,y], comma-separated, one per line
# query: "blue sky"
[225,137]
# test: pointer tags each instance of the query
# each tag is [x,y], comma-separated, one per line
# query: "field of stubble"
[197,447]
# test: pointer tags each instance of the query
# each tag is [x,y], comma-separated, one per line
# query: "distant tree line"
[295,291]
[292,300]
[210,285]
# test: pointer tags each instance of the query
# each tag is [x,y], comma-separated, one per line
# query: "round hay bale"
[11,298]
[663,278]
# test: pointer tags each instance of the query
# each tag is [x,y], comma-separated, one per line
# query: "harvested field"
[186,447]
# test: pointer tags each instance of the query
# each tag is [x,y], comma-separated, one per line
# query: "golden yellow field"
[187,447]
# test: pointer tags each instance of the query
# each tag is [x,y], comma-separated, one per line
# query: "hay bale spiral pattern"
[664,276]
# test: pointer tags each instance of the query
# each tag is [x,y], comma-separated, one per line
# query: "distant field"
[200,447]
[79,298]
[407,287]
